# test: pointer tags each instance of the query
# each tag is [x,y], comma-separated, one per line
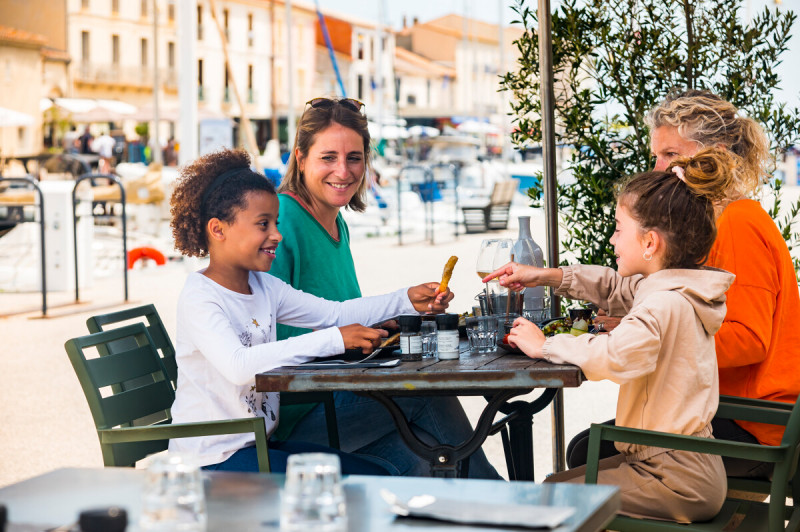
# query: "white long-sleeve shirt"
[224,338]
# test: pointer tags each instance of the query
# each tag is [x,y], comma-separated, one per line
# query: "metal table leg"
[559,451]
[445,459]
[516,430]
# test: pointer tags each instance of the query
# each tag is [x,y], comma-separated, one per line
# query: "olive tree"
[616,59]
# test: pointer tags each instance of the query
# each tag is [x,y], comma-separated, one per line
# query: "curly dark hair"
[194,201]
[682,211]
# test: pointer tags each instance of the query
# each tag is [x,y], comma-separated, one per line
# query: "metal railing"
[114,179]
[428,189]
[32,182]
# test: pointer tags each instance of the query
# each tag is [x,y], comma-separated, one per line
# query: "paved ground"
[45,423]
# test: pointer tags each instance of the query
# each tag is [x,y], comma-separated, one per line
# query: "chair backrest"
[148,315]
[503,191]
[101,368]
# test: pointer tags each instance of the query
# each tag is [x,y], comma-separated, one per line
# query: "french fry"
[448,272]
[393,339]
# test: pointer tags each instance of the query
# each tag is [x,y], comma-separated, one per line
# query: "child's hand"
[359,337]
[527,337]
[426,298]
[518,276]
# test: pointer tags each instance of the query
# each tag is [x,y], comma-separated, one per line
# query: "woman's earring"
[647,256]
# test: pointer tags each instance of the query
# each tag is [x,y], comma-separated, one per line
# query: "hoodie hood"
[704,289]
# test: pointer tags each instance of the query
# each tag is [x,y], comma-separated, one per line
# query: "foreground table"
[243,502]
[498,376]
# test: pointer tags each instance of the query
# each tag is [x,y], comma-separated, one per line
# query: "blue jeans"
[367,430]
[246,459]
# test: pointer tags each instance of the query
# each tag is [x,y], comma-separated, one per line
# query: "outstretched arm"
[518,276]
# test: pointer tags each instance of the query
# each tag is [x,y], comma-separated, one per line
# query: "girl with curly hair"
[228,312]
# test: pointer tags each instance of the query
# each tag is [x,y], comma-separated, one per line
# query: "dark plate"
[508,349]
[356,354]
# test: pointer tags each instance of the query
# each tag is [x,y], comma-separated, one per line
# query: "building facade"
[477,53]
[364,55]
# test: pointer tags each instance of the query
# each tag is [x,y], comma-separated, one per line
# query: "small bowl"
[580,314]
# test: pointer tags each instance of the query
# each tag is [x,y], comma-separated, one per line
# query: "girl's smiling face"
[334,167]
[253,236]
[629,244]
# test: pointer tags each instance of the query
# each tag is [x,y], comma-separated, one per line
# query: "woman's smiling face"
[334,167]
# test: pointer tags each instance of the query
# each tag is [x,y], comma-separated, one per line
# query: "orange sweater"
[758,346]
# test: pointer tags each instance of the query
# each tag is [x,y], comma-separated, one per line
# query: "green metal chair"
[101,367]
[148,315]
[736,514]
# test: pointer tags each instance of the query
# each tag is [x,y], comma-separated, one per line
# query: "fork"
[371,355]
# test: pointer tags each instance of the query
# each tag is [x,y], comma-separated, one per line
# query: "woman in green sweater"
[327,171]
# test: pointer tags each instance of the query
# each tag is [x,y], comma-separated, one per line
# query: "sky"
[490,10]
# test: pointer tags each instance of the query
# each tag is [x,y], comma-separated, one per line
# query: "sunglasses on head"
[327,103]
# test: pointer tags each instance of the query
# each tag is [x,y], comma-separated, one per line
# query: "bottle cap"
[410,323]
[447,322]
[111,519]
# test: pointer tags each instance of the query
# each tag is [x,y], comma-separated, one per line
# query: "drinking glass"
[313,498]
[482,334]
[538,315]
[503,253]
[485,264]
[173,497]
[428,332]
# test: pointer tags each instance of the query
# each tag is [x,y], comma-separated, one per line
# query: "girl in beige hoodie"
[662,353]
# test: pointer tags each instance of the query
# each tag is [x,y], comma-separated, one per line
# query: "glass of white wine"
[485,264]
[483,267]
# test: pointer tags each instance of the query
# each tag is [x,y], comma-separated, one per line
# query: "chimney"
[404,22]
[416,21]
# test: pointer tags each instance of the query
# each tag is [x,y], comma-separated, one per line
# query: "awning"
[11,118]
[88,110]
[170,113]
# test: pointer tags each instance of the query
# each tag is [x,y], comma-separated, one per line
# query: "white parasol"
[11,118]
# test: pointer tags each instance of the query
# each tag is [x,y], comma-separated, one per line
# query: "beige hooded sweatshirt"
[661,354]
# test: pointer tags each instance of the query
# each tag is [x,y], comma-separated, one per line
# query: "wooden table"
[244,502]
[499,376]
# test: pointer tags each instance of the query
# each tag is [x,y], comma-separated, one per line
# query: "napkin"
[478,513]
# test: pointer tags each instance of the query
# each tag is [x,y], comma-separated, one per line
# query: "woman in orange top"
[758,346]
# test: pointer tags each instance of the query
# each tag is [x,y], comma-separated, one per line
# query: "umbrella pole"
[550,204]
